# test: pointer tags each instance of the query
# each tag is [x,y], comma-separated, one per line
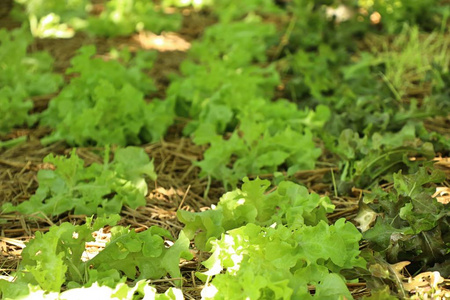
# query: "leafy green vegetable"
[105,103]
[316,70]
[367,158]
[215,108]
[371,109]
[120,71]
[14,107]
[281,262]
[358,93]
[67,10]
[125,17]
[22,76]
[370,92]
[258,152]
[247,133]
[53,18]
[53,259]
[428,14]
[290,204]
[208,94]
[101,189]
[311,26]
[144,252]
[228,10]
[238,43]
[411,224]
[262,141]
[273,245]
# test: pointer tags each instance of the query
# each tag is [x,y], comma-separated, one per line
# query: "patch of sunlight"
[167,41]
[209,292]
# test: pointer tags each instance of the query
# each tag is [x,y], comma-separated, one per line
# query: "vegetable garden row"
[300,150]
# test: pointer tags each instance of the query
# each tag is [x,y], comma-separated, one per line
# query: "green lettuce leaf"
[289,204]
[93,189]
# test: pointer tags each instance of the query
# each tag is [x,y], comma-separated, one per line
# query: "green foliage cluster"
[54,259]
[123,17]
[246,132]
[96,189]
[281,240]
[237,44]
[376,123]
[22,76]
[411,225]
[280,263]
[277,244]
[66,10]
[273,245]
[377,120]
[142,255]
[60,19]
[290,204]
[428,14]
[365,159]
[104,104]
[228,10]
[51,19]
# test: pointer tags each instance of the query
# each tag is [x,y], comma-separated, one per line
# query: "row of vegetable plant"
[357,106]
